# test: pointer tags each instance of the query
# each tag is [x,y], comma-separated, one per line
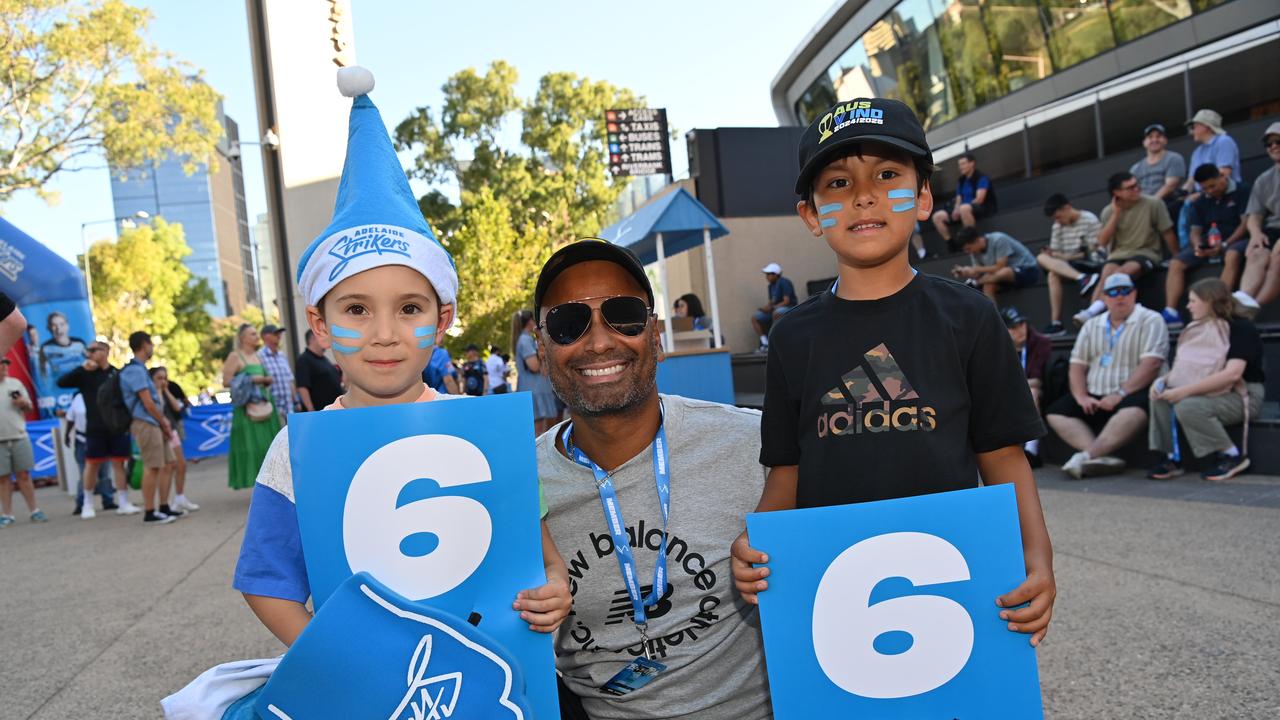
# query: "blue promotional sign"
[439,502]
[59,333]
[208,431]
[887,609]
[41,434]
[396,659]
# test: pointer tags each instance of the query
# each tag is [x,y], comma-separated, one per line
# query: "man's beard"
[622,400]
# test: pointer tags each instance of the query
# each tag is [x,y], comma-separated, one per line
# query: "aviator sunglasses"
[566,323]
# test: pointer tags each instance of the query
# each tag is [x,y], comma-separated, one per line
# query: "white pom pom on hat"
[355,81]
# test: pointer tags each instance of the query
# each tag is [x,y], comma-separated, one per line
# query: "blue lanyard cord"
[613,518]
[1024,357]
[1112,337]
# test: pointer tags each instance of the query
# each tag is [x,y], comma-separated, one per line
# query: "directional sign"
[638,142]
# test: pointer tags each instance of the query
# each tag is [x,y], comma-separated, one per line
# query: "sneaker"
[1054,329]
[1082,317]
[1171,318]
[1033,459]
[154,518]
[167,510]
[6,520]
[1226,467]
[763,350]
[76,512]
[128,508]
[1248,306]
[39,516]
[1073,465]
[1087,283]
[1105,465]
[108,505]
[185,504]
[1166,470]
[87,513]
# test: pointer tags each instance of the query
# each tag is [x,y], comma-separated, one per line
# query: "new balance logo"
[875,397]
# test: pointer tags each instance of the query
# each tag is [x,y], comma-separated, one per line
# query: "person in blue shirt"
[690,305]
[975,199]
[440,374]
[782,297]
[151,430]
[1221,203]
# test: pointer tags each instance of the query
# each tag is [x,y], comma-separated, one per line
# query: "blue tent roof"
[677,215]
[32,273]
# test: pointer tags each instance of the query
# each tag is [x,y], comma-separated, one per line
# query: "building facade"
[210,206]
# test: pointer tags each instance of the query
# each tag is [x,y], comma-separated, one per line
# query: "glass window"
[1078,30]
[921,72]
[815,100]
[1134,18]
[1202,5]
[1017,28]
[971,74]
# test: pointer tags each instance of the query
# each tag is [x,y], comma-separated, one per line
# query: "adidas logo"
[875,397]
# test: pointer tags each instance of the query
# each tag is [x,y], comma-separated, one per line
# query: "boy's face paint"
[899,194]
[866,206]
[383,324]
[829,209]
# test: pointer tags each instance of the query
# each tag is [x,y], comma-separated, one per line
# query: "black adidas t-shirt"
[891,398]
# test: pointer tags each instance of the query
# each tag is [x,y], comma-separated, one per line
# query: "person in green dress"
[250,439]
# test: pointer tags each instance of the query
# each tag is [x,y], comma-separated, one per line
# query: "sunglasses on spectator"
[566,323]
[1270,142]
[1118,292]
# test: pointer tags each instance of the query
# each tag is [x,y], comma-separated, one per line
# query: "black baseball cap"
[1012,317]
[1155,126]
[583,251]
[857,121]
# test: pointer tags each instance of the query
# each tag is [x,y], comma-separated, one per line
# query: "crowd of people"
[1120,382]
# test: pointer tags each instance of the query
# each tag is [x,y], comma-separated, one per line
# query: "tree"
[140,283]
[516,205]
[78,80]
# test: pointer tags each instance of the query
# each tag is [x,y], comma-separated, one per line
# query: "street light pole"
[84,244]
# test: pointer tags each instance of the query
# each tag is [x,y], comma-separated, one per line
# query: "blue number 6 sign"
[887,609]
[438,502]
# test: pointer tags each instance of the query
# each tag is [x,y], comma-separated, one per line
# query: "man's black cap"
[583,251]
[856,121]
[1012,318]
[1155,126]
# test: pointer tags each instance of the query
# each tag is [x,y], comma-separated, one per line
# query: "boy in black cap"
[892,384]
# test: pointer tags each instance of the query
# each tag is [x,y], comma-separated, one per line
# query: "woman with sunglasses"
[547,408]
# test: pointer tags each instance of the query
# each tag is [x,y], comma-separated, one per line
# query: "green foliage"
[140,283]
[77,79]
[517,205]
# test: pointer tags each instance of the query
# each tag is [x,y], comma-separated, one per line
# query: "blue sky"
[708,63]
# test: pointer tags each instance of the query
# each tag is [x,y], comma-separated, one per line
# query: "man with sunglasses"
[666,479]
[1261,281]
[1133,225]
[100,445]
[1115,359]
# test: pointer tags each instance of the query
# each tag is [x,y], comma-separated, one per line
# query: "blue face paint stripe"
[424,331]
[830,208]
[901,193]
[339,331]
[344,349]
[426,343]
[904,206]
[828,222]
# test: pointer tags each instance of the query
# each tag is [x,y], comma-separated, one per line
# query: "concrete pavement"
[1169,602]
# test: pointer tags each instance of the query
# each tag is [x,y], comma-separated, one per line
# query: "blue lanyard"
[1024,357]
[613,518]
[1112,337]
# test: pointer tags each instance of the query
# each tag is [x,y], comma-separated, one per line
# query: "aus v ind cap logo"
[847,114]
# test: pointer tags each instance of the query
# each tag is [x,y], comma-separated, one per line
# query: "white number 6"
[373,528]
[845,625]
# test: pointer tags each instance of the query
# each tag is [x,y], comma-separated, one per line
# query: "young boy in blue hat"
[893,383]
[379,289]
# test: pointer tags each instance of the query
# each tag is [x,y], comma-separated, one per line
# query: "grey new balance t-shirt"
[701,629]
[1151,177]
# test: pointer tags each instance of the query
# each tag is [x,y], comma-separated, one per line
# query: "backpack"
[1202,351]
[115,414]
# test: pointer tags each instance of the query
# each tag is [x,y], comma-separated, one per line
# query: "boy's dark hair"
[1207,171]
[471,347]
[1115,181]
[1056,202]
[924,169]
[970,157]
[307,337]
[138,339]
[965,236]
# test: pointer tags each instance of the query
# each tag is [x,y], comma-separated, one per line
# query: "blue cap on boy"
[376,220]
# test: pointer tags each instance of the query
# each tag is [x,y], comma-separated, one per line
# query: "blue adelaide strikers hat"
[376,220]
[857,121]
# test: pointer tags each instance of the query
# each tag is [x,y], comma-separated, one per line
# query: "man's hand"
[89,365]
[749,580]
[1088,404]
[1256,241]
[1110,402]
[1040,590]
[1173,395]
[545,607]
[263,379]
[166,428]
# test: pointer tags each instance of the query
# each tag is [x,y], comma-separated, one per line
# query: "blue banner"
[887,609]
[58,334]
[208,430]
[439,502]
[41,434]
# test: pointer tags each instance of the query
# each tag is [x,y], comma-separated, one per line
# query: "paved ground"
[1169,605]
